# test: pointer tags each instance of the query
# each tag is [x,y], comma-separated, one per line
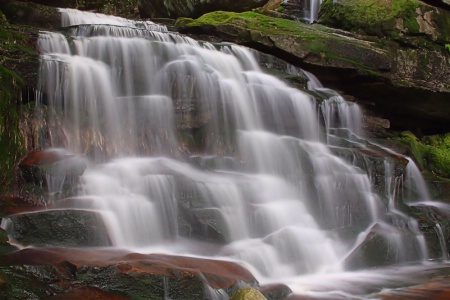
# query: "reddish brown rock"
[103,273]
[13,204]
[436,289]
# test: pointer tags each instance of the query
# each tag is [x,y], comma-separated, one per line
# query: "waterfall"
[312,13]
[274,178]
[307,10]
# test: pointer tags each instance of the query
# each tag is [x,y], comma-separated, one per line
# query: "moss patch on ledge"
[255,21]
[390,18]
[314,44]
[431,152]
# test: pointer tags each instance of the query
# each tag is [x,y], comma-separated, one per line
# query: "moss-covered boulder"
[394,76]
[387,18]
[192,8]
[248,294]
[307,45]
[33,14]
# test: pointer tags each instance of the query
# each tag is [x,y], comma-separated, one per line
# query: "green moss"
[315,39]
[417,148]
[447,47]
[11,148]
[372,16]
[248,293]
[430,152]
[250,20]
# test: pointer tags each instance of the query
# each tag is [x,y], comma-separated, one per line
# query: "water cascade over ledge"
[190,143]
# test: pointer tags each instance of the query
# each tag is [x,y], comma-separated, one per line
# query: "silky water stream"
[278,181]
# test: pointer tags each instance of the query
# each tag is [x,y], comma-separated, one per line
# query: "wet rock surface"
[53,171]
[66,273]
[71,228]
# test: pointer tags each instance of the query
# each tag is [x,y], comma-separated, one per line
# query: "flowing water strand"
[312,13]
[442,242]
[336,111]
[309,9]
[415,184]
[51,42]
[80,93]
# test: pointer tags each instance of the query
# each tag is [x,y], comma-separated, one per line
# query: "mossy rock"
[397,77]
[430,152]
[316,45]
[11,147]
[387,18]
[41,16]
[248,293]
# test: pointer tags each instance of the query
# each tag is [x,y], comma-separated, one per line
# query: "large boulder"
[192,8]
[409,82]
[34,14]
[383,245]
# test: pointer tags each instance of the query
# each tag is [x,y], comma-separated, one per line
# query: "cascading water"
[307,10]
[312,12]
[264,188]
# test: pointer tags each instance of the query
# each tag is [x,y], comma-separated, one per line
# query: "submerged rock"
[383,245]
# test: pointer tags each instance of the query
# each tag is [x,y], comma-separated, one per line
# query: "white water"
[312,13]
[286,205]
[310,9]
